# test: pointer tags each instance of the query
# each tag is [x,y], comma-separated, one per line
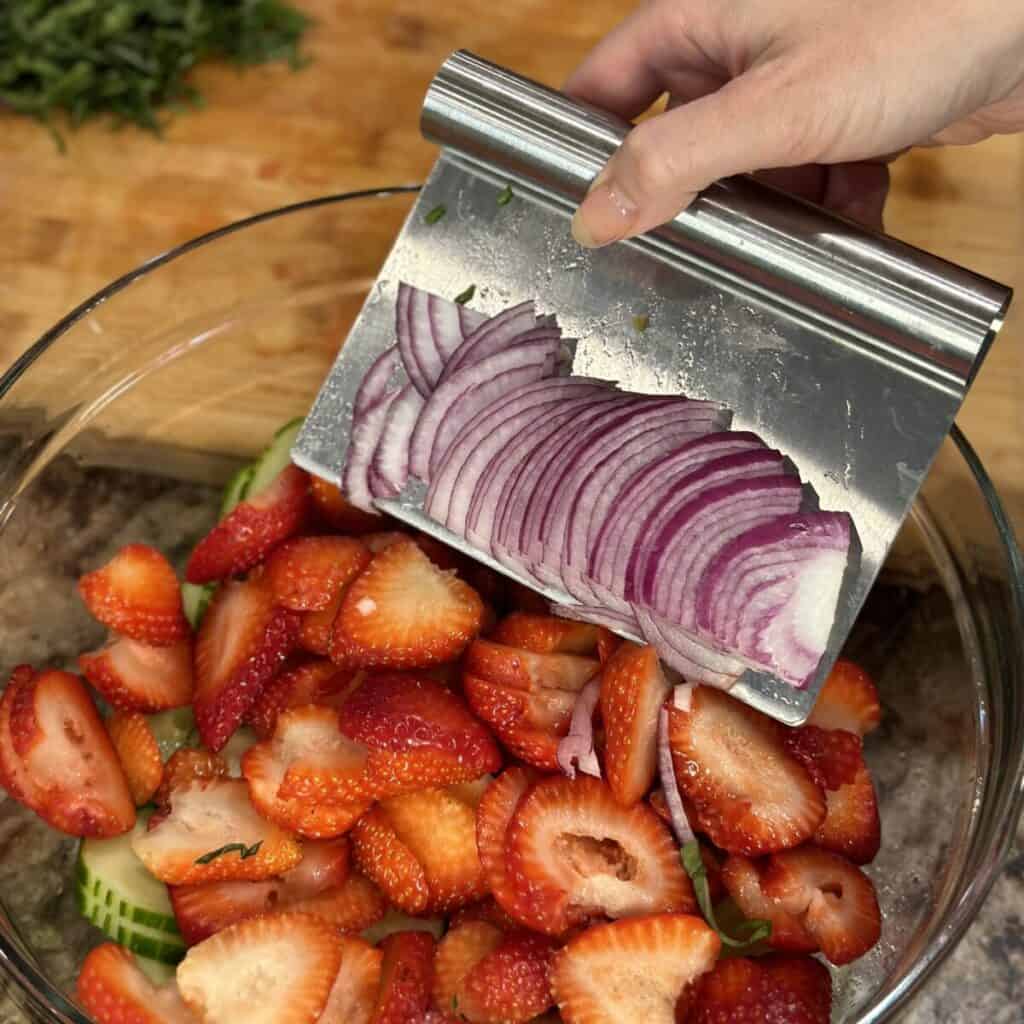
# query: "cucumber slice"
[195,598]
[237,489]
[396,921]
[158,973]
[172,729]
[275,457]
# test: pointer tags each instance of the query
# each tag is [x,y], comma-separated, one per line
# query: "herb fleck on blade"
[436,213]
[505,196]
[463,297]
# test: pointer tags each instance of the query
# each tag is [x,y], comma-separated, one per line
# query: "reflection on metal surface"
[848,351]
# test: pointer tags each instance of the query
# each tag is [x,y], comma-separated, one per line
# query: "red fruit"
[137,594]
[547,634]
[191,844]
[852,826]
[742,880]
[832,757]
[185,766]
[337,513]
[834,900]
[133,676]
[769,990]
[459,951]
[404,612]
[406,978]
[389,863]
[524,670]
[76,783]
[355,987]
[632,970]
[139,754]
[588,854]
[511,983]
[13,774]
[350,907]
[113,990]
[302,681]
[607,644]
[252,528]
[307,573]
[748,793]
[419,734]
[284,964]
[848,700]
[315,629]
[243,640]
[324,864]
[488,911]
[633,688]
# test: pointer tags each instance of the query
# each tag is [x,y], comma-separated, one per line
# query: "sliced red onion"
[597,617]
[366,430]
[576,750]
[779,584]
[492,336]
[379,380]
[689,657]
[389,469]
[669,786]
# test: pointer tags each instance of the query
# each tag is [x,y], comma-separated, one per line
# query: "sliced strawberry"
[418,732]
[535,747]
[488,910]
[354,992]
[588,854]
[741,877]
[769,990]
[459,951]
[524,670]
[315,628]
[77,783]
[324,865]
[632,970]
[848,700]
[547,634]
[389,863]
[134,676]
[137,594]
[512,982]
[113,990]
[834,900]
[607,644]
[185,766]
[282,964]
[213,833]
[252,528]
[350,907]
[138,752]
[405,612]
[852,826]
[307,573]
[337,513]
[406,978]
[15,777]
[302,681]
[749,794]
[633,688]
[243,640]
[832,757]
[377,542]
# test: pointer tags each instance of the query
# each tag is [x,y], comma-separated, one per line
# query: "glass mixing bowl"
[121,423]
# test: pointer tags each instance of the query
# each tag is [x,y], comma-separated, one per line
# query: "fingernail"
[605,216]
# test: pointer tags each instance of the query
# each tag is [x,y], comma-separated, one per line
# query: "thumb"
[756,121]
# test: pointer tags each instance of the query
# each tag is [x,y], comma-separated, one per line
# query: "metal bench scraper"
[846,350]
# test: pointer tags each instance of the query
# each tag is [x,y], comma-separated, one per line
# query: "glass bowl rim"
[1009,800]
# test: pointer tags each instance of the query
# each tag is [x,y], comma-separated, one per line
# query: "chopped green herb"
[757,930]
[505,196]
[131,58]
[463,297]
[244,852]
[641,321]
[436,213]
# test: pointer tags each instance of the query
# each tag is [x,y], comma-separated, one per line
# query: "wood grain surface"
[71,223]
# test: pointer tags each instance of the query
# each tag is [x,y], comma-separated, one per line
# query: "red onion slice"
[366,430]
[493,335]
[688,656]
[669,786]
[379,380]
[597,616]
[576,750]
[389,469]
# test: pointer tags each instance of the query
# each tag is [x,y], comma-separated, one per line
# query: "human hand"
[816,96]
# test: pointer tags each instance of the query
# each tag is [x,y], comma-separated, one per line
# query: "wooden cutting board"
[69,224]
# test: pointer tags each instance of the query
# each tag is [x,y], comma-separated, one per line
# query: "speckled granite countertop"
[76,518]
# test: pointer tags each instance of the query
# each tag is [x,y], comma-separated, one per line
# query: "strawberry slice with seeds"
[834,900]
[350,907]
[212,833]
[137,594]
[487,910]
[848,700]
[459,951]
[389,863]
[185,766]
[741,877]
[302,681]
[571,839]
[633,688]
[324,864]
[632,970]
[547,634]
[77,783]
[852,827]
[243,640]
[339,514]
[252,529]
[282,966]
[512,982]
[316,627]
[354,992]
[769,990]
[523,670]
[406,978]
[748,793]
[307,573]
[112,989]
[405,612]
[134,676]
[832,757]
[13,774]
[138,752]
